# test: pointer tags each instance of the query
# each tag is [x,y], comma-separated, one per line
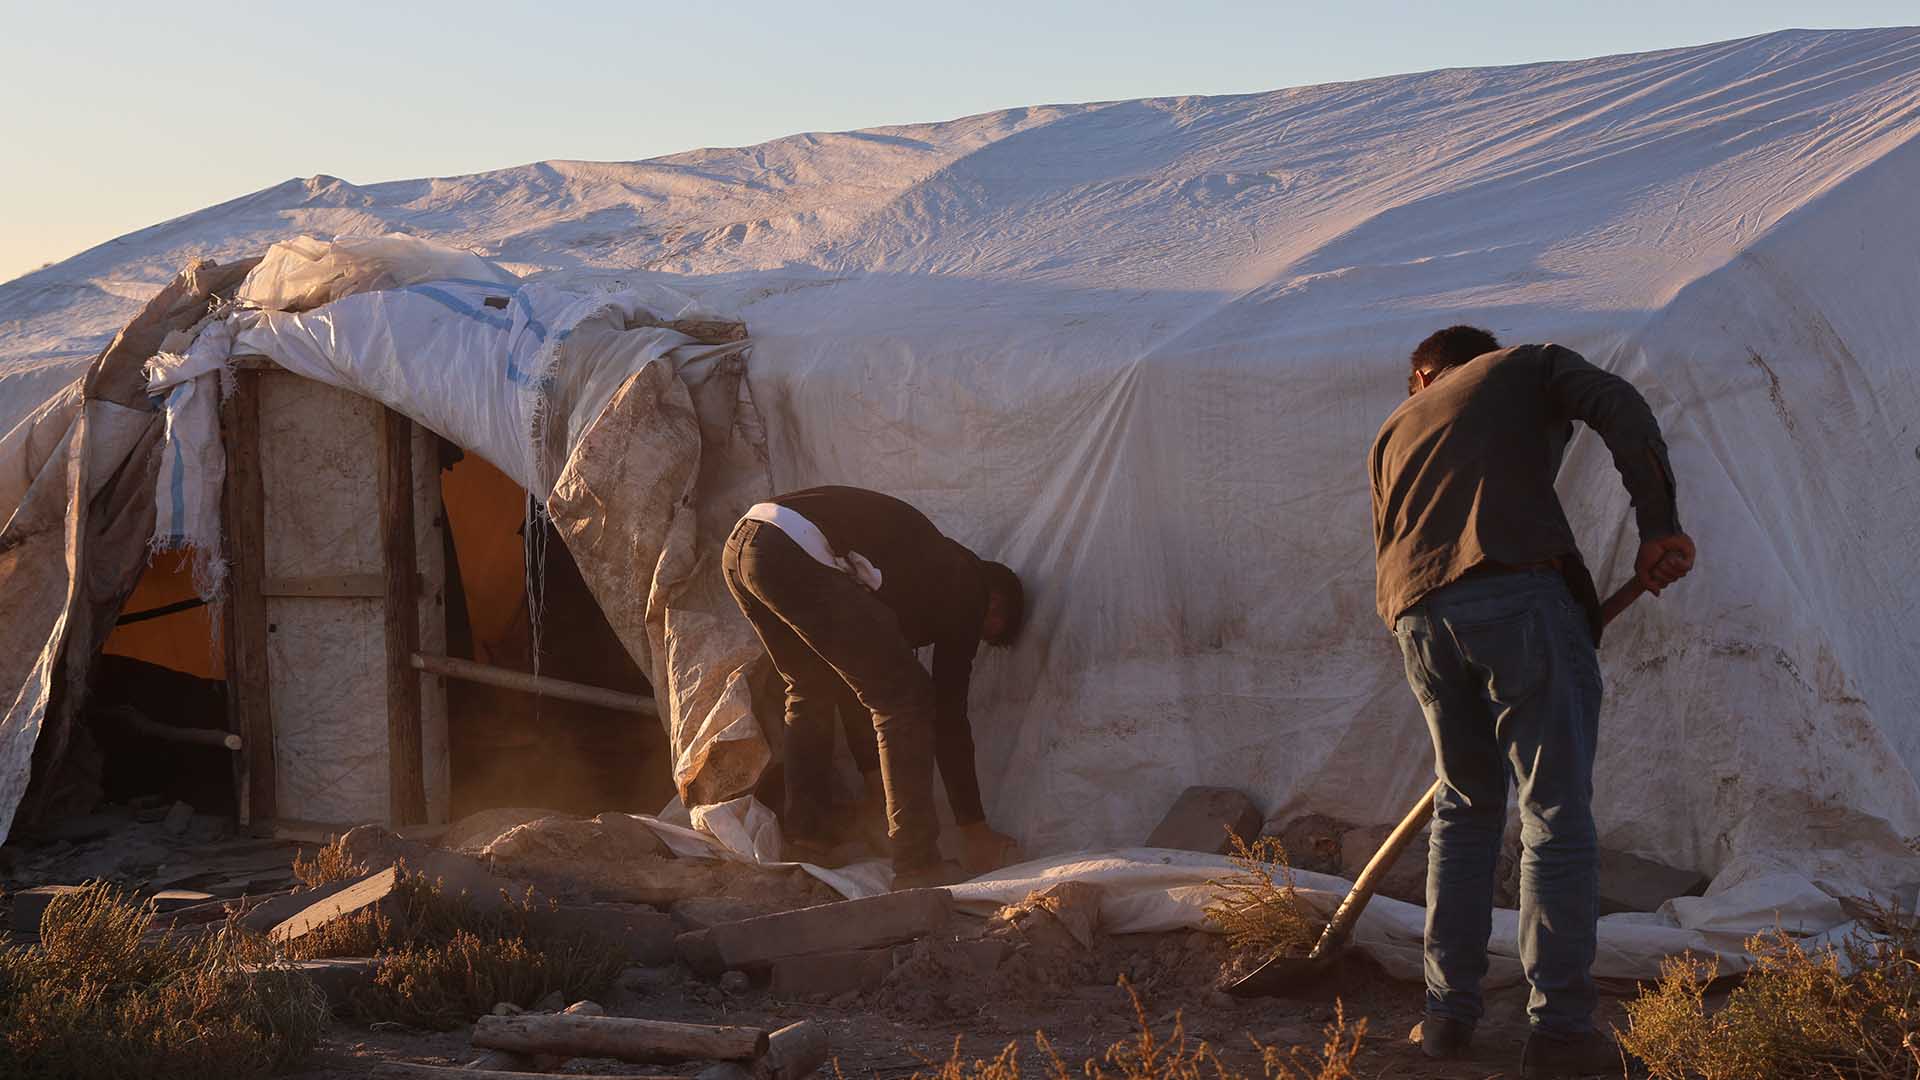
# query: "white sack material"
[193,460]
[304,273]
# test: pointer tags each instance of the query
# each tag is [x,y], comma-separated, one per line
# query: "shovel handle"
[1340,927]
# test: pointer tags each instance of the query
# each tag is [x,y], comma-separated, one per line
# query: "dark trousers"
[826,633]
[1505,669]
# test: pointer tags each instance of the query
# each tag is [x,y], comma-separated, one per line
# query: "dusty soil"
[985,984]
[913,1020]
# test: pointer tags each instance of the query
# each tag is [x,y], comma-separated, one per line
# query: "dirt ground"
[1052,975]
[896,1031]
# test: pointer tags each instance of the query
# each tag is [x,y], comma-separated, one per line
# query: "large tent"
[1137,350]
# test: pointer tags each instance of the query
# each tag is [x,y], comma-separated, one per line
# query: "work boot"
[1442,1038]
[1546,1057]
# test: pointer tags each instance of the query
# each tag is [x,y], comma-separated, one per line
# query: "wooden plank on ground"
[407,789]
[888,919]
[249,697]
[618,1037]
[362,894]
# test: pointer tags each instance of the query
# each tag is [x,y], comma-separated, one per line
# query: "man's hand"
[985,850]
[1664,561]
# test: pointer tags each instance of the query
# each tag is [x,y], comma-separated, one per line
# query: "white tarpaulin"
[1137,350]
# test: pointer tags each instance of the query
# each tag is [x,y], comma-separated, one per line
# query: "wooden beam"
[406,780]
[546,686]
[249,694]
[618,1037]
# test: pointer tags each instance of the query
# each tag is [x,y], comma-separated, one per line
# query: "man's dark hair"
[1447,348]
[1004,583]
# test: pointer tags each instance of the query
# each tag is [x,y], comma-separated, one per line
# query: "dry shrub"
[1853,1013]
[1146,1056]
[99,998]
[1257,907]
[445,960]
[330,863]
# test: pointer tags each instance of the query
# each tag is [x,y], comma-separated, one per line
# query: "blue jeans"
[1505,669]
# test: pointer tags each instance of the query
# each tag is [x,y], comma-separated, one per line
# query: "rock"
[179,816]
[854,971]
[1405,880]
[374,847]
[30,904]
[642,934]
[1631,883]
[475,831]
[647,980]
[983,956]
[793,1052]
[1312,842]
[696,950]
[611,860]
[735,982]
[700,912]
[507,1008]
[1073,906]
[339,978]
[553,1002]
[888,919]
[1201,819]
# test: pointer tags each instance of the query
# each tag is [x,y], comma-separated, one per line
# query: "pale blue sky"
[115,116]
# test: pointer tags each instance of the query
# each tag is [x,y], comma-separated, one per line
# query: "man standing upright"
[842,585]
[1498,621]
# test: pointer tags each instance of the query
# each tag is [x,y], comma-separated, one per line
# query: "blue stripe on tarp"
[482,314]
[177,486]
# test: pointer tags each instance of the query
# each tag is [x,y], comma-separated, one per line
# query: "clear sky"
[115,116]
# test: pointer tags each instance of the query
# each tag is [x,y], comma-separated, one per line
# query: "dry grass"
[99,998]
[329,864]
[1850,1013]
[1147,1056]
[1257,907]
[445,960]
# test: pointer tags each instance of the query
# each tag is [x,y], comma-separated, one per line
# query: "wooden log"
[507,1060]
[406,778]
[410,1070]
[249,694]
[889,919]
[618,1037]
[140,724]
[487,675]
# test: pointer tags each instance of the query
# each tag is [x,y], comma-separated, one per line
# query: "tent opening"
[156,704]
[514,596]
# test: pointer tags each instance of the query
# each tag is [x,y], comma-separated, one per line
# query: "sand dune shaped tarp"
[1138,349]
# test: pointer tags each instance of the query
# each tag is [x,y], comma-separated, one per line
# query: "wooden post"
[406,781]
[249,695]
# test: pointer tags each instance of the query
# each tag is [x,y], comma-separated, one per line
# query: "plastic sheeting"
[1137,350]
[643,446]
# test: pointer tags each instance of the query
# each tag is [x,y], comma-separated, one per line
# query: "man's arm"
[1615,410]
[952,732]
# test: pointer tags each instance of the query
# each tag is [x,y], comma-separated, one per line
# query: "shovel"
[1282,975]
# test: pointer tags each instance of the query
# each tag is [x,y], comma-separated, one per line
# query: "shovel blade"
[1284,976]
